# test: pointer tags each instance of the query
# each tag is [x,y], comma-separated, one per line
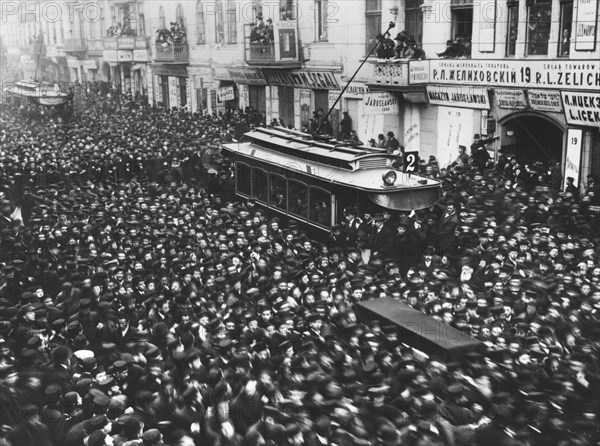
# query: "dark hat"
[96,438]
[151,437]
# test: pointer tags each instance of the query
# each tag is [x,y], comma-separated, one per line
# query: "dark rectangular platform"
[419,330]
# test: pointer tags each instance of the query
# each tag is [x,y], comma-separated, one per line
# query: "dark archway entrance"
[532,138]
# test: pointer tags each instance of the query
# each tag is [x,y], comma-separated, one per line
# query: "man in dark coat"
[58,372]
[445,230]
[381,238]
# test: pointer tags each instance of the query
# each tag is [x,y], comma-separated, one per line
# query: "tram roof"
[302,144]
[365,179]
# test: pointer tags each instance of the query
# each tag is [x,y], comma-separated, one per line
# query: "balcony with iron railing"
[74,45]
[171,52]
[277,49]
[388,72]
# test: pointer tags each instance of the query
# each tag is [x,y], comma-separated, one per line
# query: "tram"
[312,179]
[42,93]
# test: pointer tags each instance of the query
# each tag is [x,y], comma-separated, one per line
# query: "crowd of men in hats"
[405,47]
[141,308]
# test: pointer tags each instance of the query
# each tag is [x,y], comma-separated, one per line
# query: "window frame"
[162,20]
[321,20]
[271,183]
[238,177]
[373,10]
[291,181]
[310,206]
[231,22]
[253,192]
[200,24]
[530,4]
[512,6]
[561,28]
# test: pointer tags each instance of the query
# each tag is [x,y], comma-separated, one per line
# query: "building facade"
[528,72]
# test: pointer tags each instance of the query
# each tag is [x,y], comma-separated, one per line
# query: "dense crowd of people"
[143,305]
[175,34]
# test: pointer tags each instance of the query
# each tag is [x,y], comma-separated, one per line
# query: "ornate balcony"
[276,49]
[171,53]
[389,72]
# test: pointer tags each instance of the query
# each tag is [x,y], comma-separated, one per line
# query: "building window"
[566,20]
[162,22]
[142,25]
[257,10]
[286,10]
[219,22]
[321,20]
[414,19]
[231,21]
[180,16]
[373,20]
[512,32]
[539,16]
[462,23]
[200,25]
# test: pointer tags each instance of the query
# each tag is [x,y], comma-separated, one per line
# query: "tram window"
[298,198]
[242,178]
[320,206]
[260,184]
[278,192]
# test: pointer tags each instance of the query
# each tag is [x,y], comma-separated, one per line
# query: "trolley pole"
[391,25]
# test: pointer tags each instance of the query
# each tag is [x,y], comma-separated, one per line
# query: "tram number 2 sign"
[411,161]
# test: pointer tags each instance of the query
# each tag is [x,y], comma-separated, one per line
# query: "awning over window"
[169,70]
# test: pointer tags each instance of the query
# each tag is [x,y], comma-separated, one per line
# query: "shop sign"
[513,99]
[356,90]
[124,56]
[320,80]
[225,94]
[110,55]
[89,64]
[140,55]
[174,92]
[476,98]
[573,158]
[585,29]
[221,73]
[544,74]
[548,101]
[246,76]
[74,63]
[582,108]
[380,103]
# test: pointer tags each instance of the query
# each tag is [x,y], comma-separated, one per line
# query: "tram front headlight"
[389,178]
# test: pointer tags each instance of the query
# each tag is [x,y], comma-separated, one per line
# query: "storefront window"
[538,27]
[298,198]
[513,29]
[278,192]
[260,184]
[242,178]
[320,206]
[566,20]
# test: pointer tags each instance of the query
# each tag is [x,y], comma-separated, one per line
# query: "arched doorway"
[532,137]
[105,72]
